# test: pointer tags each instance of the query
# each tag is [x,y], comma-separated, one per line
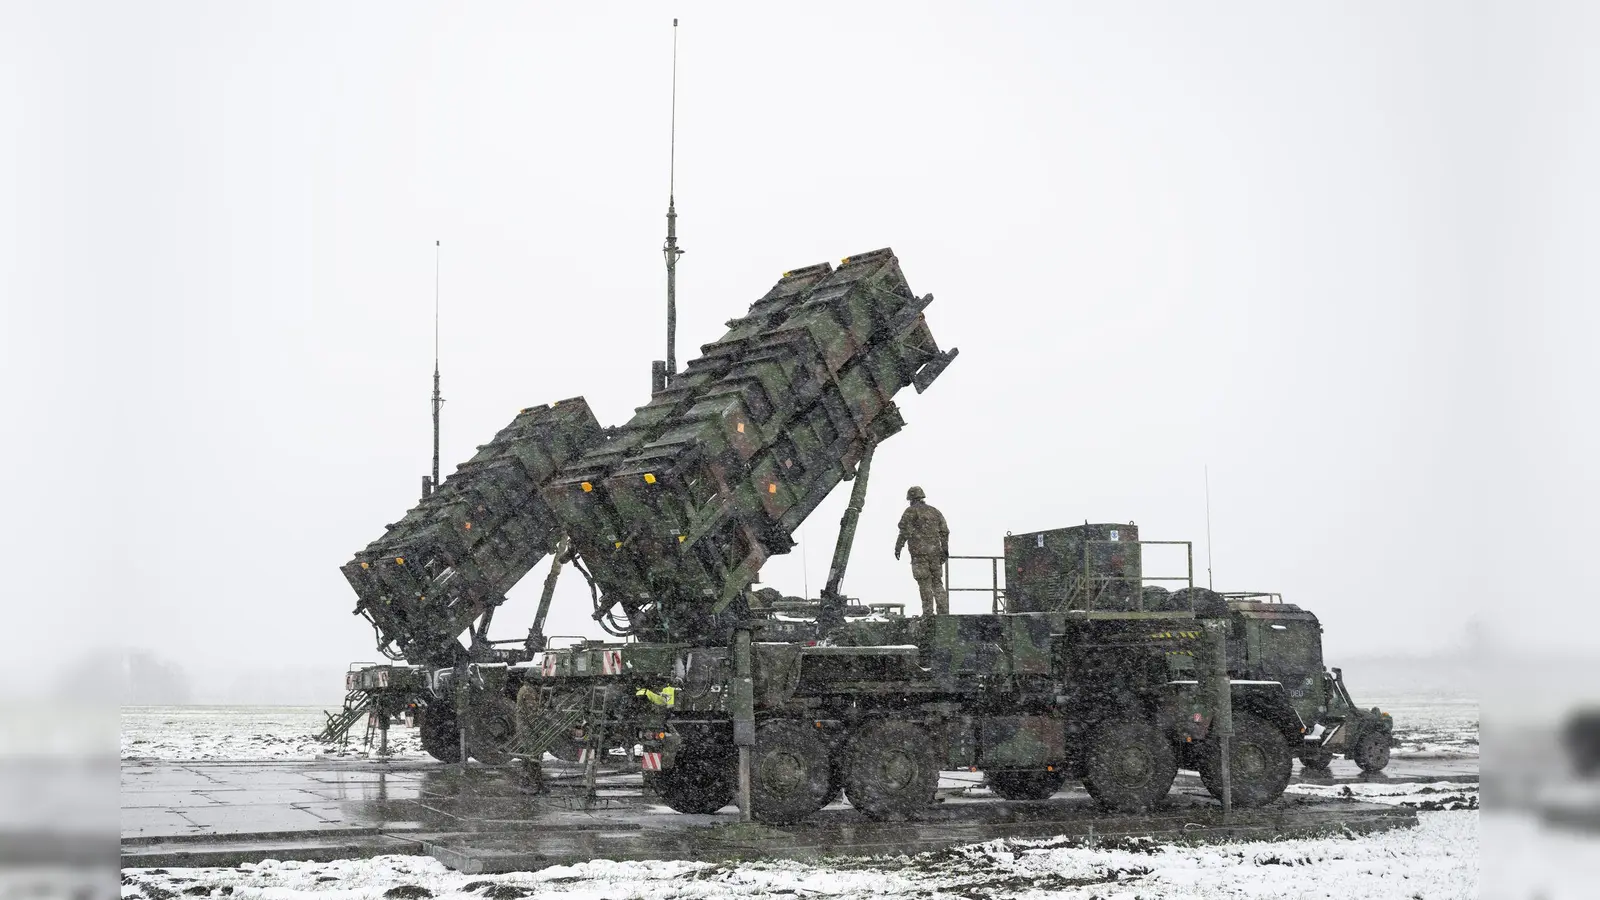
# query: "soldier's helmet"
[916,493]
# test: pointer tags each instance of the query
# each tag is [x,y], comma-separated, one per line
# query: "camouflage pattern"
[456,553]
[924,532]
[1084,567]
[676,512]
[1007,742]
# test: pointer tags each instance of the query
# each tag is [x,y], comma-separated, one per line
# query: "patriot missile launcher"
[726,690]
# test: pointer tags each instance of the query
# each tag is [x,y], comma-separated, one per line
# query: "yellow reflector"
[680,538]
[468,526]
[786,275]
[587,487]
[363,565]
[845,261]
[772,488]
[739,427]
[400,559]
[617,545]
[649,478]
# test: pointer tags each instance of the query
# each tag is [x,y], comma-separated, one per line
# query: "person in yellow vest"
[923,531]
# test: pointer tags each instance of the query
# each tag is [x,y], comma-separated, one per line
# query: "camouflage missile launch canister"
[676,514]
[461,548]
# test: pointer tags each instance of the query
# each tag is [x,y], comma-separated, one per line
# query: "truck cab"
[1269,639]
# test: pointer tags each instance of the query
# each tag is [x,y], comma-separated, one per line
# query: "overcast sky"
[1340,256]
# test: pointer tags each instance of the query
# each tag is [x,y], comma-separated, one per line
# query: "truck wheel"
[790,773]
[1316,762]
[702,779]
[1258,762]
[492,730]
[890,771]
[441,739]
[1026,785]
[1372,752]
[1131,767]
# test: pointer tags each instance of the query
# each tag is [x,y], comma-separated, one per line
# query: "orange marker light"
[587,487]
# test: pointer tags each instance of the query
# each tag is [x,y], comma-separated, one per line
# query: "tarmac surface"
[483,820]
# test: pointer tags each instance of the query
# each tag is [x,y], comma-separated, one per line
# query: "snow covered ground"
[245,733]
[1437,859]
[1430,727]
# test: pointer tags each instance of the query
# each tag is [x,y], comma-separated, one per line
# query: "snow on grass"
[1436,859]
[1445,795]
[1431,727]
[246,734]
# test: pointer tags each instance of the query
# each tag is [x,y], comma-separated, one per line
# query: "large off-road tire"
[890,771]
[702,780]
[1131,767]
[1316,761]
[1035,785]
[441,738]
[1259,762]
[1371,753]
[790,773]
[492,729]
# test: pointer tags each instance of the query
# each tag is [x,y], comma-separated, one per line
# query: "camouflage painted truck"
[1077,683]
[670,517]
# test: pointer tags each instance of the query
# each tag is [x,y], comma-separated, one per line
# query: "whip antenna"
[437,400]
[663,372]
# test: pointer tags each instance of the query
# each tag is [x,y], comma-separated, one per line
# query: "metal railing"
[998,593]
[1263,596]
[1087,591]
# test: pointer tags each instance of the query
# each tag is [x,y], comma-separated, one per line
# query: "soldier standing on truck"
[923,528]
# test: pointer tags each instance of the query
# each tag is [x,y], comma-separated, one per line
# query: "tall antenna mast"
[1208,526]
[670,250]
[437,400]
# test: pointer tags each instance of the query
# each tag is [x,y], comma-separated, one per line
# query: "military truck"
[669,519]
[1076,684]
[1271,640]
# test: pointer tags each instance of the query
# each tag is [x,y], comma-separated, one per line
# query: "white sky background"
[1338,255]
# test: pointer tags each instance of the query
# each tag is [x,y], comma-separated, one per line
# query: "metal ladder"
[339,724]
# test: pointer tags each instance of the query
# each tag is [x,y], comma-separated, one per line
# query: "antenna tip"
[436,243]
[674,22]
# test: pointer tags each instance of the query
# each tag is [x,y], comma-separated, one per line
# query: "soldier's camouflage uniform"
[923,531]
[532,763]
